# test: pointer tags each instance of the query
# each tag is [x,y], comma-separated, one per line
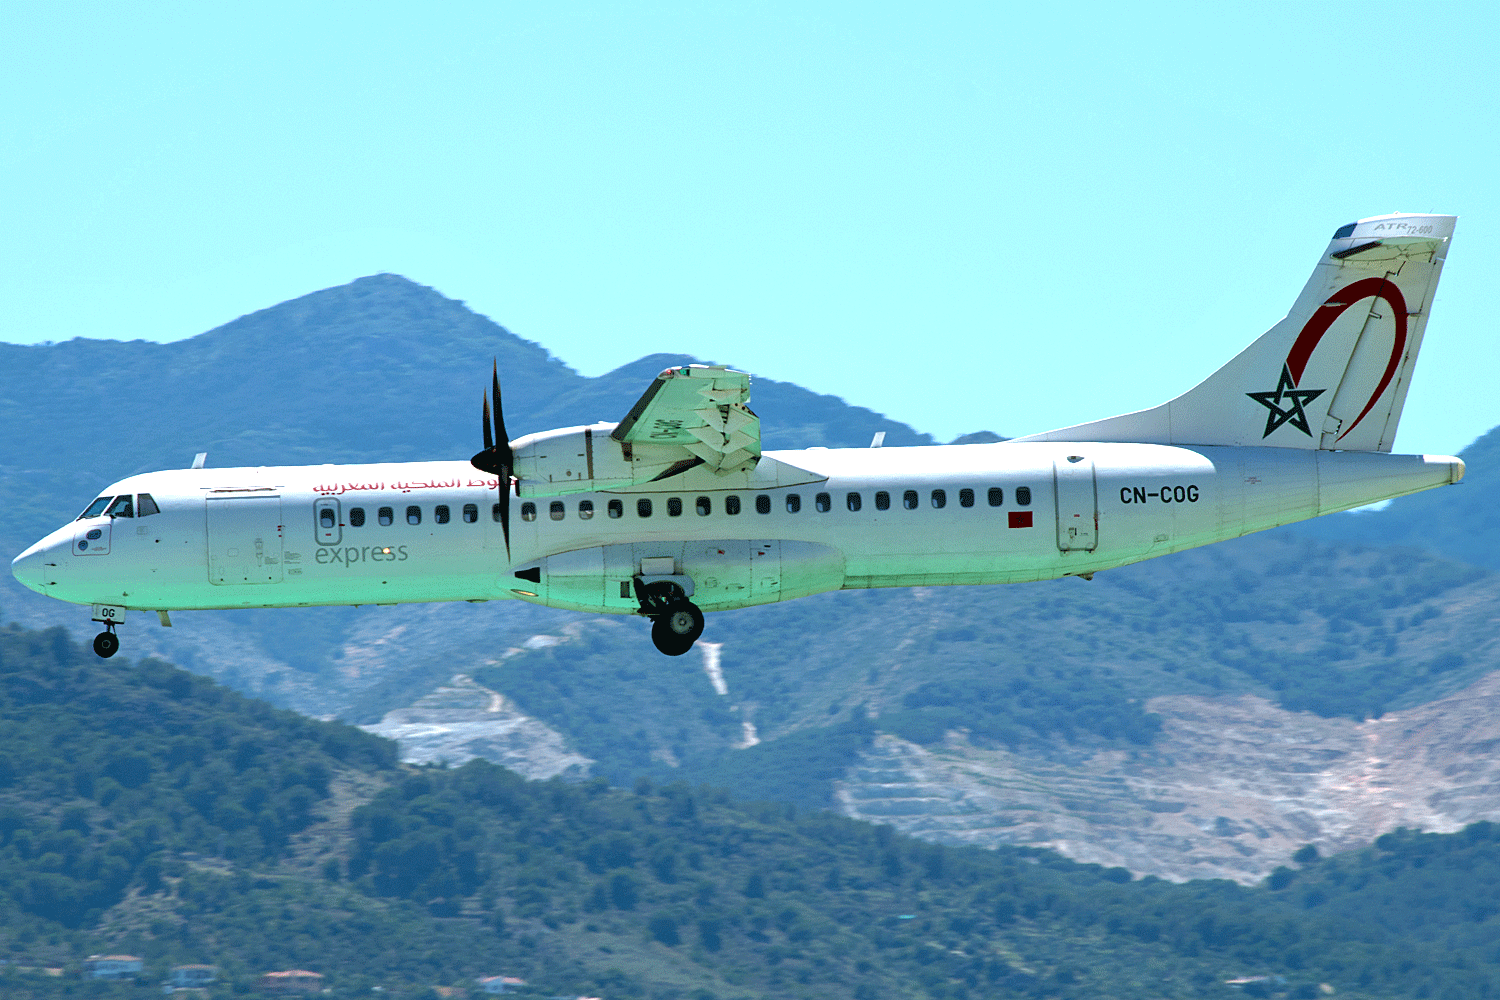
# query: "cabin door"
[244,540]
[1077,504]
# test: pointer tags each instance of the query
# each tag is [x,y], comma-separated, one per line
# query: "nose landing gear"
[676,622]
[106,643]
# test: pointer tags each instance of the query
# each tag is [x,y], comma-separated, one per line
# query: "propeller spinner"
[497,458]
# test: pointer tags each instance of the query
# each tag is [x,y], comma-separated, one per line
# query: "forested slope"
[151,812]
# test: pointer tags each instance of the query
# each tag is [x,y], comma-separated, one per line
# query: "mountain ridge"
[386,369]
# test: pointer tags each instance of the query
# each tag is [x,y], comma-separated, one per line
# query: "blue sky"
[974,216]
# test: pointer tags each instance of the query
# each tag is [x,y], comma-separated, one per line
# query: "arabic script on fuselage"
[336,489]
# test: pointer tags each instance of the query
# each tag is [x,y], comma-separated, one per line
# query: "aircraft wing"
[702,410]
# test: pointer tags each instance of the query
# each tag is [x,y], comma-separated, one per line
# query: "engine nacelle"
[572,460]
[589,459]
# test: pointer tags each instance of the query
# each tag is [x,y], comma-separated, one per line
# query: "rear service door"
[244,540]
[1077,505]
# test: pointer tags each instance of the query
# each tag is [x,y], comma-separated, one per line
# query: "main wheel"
[106,644]
[685,620]
[668,641]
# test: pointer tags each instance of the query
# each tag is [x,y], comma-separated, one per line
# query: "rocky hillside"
[1231,789]
[1121,720]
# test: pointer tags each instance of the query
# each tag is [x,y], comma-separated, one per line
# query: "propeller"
[497,458]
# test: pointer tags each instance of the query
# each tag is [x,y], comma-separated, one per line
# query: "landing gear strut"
[106,643]
[676,622]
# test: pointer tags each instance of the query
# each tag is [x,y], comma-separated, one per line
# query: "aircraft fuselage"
[803,523]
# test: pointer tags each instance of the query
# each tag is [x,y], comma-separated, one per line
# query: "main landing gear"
[106,643]
[676,622]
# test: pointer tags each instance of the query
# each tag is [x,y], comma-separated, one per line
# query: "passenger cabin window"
[940,498]
[96,508]
[793,502]
[704,506]
[145,506]
[122,507]
[471,513]
[966,497]
[356,517]
[585,509]
[528,511]
[387,515]
[674,506]
[495,512]
[909,499]
[557,510]
[616,509]
[643,507]
[762,504]
[325,519]
[853,501]
[882,500]
[732,504]
[1023,496]
[997,496]
[440,513]
[414,514]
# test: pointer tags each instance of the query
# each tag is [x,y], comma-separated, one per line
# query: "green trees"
[447,874]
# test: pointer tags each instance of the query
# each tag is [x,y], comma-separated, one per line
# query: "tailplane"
[1334,373]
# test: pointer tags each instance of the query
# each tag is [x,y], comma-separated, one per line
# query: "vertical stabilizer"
[1334,373]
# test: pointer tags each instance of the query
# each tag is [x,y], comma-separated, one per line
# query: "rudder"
[1334,373]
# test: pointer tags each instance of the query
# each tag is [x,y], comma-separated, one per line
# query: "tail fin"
[1334,373]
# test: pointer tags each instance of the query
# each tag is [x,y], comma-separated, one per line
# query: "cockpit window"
[96,508]
[122,507]
[145,506]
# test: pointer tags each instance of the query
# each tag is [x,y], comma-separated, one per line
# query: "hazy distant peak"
[979,437]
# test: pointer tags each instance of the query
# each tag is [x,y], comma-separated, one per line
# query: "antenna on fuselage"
[199,459]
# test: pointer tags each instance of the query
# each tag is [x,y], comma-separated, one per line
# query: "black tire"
[668,641]
[106,644]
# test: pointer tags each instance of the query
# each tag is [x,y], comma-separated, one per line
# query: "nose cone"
[29,569]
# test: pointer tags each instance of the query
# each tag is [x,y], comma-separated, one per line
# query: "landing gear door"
[244,540]
[1077,504]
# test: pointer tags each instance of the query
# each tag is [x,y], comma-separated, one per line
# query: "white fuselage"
[1009,512]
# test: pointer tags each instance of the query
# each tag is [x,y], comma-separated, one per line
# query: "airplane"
[676,511]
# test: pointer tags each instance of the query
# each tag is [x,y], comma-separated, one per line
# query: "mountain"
[813,701]
[381,369]
[185,823]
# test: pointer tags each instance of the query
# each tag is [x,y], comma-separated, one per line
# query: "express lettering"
[1166,494]
[350,555]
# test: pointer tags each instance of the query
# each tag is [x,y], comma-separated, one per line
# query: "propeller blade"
[505,510]
[502,439]
[497,458]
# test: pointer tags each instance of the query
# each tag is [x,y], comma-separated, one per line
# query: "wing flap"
[700,409]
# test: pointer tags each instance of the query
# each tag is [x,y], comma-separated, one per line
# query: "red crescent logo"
[1332,309]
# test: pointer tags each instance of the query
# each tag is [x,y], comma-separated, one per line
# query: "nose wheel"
[106,643]
[676,622]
